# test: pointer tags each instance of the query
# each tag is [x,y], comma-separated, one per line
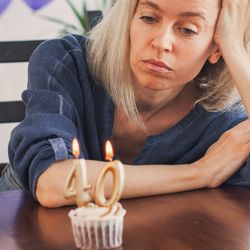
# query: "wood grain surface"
[204,220]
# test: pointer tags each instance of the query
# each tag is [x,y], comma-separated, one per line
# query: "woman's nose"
[164,40]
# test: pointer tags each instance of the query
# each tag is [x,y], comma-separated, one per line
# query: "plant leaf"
[80,18]
[85,19]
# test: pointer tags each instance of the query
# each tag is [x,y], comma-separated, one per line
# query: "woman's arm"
[221,161]
[229,36]
[143,180]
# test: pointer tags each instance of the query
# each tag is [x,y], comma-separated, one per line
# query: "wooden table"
[204,219]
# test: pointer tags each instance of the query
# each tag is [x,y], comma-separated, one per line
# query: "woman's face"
[171,40]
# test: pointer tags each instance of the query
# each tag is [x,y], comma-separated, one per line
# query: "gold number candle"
[76,182]
[77,185]
[116,168]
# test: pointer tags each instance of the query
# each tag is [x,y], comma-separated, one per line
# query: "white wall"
[19,22]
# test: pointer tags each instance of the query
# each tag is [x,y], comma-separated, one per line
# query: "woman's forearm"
[141,180]
[50,184]
[147,180]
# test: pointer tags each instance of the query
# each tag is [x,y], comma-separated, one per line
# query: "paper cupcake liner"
[97,234]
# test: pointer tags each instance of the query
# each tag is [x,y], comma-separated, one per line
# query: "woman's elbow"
[46,192]
[46,195]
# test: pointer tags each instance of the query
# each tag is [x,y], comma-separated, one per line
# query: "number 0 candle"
[116,168]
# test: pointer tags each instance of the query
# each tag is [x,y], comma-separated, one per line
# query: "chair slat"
[2,165]
[17,51]
[94,16]
[12,111]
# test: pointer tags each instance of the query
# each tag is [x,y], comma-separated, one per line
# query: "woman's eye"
[148,19]
[187,31]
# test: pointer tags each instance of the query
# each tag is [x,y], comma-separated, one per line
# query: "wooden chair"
[17,52]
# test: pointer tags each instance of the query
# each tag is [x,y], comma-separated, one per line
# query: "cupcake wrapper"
[94,234]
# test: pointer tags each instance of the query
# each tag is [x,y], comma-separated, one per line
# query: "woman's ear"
[215,55]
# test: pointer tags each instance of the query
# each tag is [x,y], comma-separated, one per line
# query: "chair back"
[18,52]
[14,52]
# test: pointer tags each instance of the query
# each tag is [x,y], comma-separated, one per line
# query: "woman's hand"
[232,22]
[226,156]
[233,40]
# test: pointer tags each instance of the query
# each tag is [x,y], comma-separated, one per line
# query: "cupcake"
[96,227]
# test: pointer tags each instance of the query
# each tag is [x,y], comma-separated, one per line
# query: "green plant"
[81,16]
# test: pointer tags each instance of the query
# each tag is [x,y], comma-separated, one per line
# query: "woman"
[156,76]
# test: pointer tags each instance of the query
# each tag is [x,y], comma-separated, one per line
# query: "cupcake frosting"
[94,212]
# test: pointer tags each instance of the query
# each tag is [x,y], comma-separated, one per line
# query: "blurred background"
[31,20]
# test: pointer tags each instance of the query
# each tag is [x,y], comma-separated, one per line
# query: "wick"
[108,158]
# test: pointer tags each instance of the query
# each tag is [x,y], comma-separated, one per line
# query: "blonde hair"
[108,57]
[217,88]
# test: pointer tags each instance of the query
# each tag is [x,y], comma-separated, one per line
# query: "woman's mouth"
[157,66]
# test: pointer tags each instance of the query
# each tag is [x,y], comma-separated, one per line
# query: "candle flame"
[109,151]
[75,148]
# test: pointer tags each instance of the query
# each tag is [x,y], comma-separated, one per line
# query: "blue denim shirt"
[63,101]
